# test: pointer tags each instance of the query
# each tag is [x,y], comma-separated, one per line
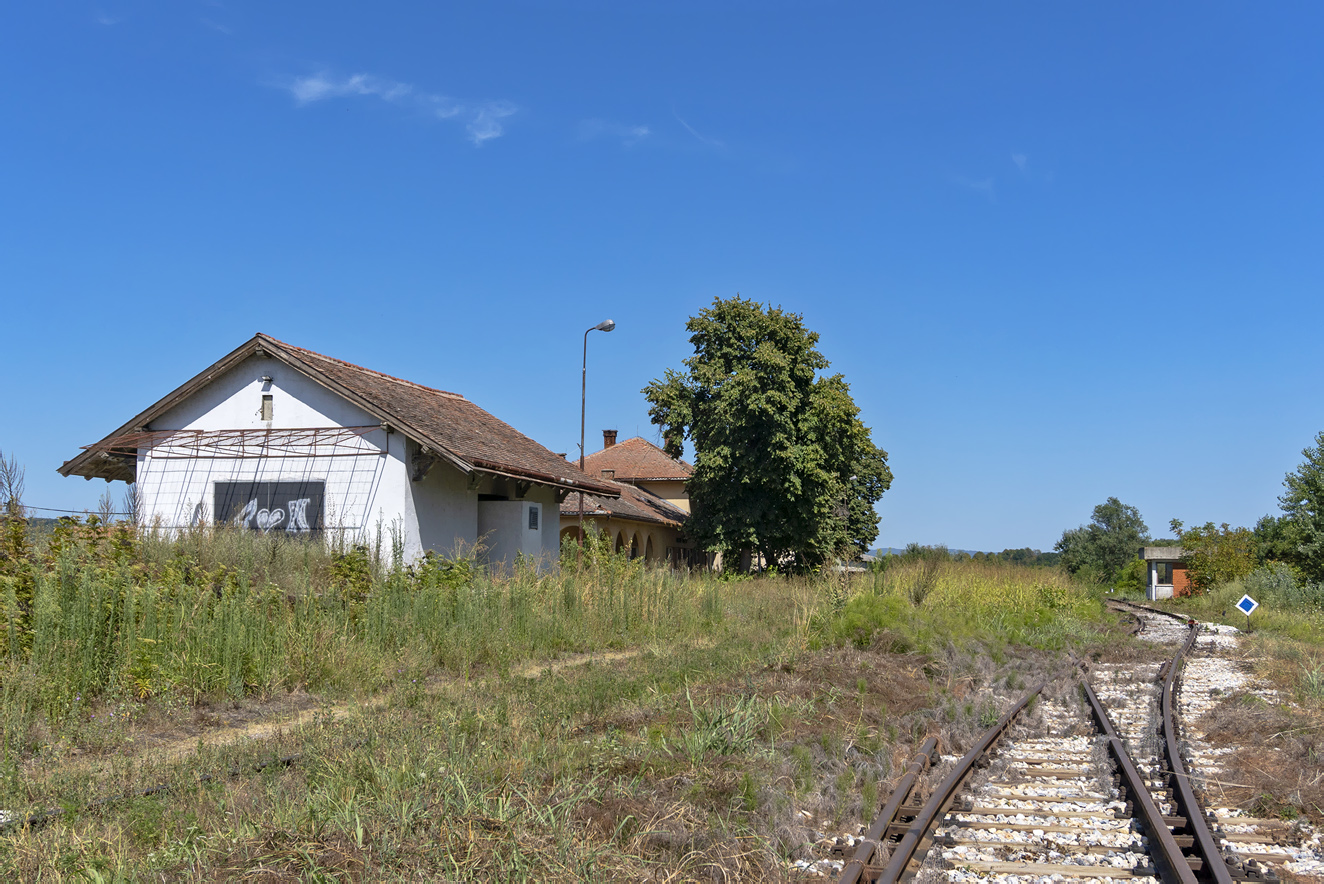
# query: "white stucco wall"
[1156,590]
[551,525]
[442,512]
[368,488]
[503,526]
[363,489]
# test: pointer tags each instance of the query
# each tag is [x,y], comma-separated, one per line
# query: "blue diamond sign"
[1247,605]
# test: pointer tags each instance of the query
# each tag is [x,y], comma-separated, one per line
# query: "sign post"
[1247,606]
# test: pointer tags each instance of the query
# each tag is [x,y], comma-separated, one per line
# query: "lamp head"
[606,325]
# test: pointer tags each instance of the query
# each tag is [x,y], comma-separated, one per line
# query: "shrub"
[1216,555]
[1277,584]
[867,615]
[351,573]
[1133,576]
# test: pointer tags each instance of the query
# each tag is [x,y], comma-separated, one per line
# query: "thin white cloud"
[711,142]
[628,135]
[1021,161]
[485,122]
[320,86]
[482,119]
[982,186]
[107,20]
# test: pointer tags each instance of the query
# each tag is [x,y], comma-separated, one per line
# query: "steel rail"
[1139,607]
[1215,866]
[871,844]
[942,797]
[1169,859]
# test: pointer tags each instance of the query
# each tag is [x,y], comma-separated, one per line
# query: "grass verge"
[452,732]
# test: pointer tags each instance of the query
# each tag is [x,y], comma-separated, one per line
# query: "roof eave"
[90,464]
[78,466]
[588,486]
[387,419]
[259,345]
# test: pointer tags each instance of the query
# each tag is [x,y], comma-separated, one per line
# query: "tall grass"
[693,753]
[217,612]
[926,603]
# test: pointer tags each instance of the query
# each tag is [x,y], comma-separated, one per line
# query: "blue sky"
[1060,251]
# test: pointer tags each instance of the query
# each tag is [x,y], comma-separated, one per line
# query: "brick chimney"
[608,439]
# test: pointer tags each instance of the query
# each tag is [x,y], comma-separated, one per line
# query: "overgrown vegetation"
[1215,555]
[1301,530]
[925,603]
[1097,552]
[784,467]
[603,722]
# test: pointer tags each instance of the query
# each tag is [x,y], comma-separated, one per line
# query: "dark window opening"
[533,518]
[289,507]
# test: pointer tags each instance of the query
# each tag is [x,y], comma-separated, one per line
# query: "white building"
[277,438]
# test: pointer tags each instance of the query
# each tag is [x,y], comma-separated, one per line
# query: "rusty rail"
[942,797]
[872,841]
[1136,606]
[1169,859]
[1215,866]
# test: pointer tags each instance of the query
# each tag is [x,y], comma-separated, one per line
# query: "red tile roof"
[634,503]
[637,460]
[446,423]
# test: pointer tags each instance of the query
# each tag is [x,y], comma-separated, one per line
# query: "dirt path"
[266,728]
[212,727]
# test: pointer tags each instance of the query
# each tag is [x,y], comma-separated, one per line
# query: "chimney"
[608,439]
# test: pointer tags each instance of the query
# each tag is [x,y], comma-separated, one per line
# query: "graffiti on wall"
[293,507]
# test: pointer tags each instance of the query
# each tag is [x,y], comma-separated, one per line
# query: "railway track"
[1095,789]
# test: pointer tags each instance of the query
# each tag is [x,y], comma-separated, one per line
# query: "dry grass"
[616,724]
[1277,768]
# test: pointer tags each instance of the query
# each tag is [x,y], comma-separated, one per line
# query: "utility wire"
[47,509]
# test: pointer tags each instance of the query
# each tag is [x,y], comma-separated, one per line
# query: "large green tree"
[1303,507]
[1111,539]
[1215,555]
[783,464]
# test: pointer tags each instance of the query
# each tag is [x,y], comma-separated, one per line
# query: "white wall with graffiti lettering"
[325,466]
[360,479]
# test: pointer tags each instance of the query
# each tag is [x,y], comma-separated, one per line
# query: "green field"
[604,722]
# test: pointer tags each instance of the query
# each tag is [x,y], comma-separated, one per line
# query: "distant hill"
[896,551]
[1023,556]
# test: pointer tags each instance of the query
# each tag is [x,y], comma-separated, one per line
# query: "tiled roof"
[634,503]
[446,423]
[449,419]
[637,460]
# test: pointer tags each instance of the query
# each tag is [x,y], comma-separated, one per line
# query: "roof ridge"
[380,374]
[649,448]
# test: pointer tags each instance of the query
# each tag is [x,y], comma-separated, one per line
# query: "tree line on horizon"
[1023,556]
[1290,544]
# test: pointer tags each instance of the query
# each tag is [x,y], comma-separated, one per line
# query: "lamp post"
[605,326]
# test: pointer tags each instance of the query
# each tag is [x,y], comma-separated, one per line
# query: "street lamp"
[605,326]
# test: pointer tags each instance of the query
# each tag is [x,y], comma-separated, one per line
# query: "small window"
[266,406]
[533,518]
